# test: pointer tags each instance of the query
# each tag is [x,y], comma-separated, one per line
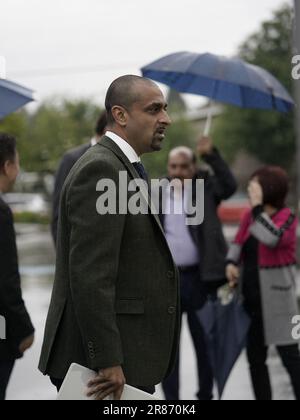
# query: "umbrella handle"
[208,122]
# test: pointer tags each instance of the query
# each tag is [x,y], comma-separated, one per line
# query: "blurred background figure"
[67,163]
[199,251]
[266,247]
[19,329]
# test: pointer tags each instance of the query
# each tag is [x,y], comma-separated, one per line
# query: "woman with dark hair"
[265,250]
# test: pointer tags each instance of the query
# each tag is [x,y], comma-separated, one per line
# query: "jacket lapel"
[111,145]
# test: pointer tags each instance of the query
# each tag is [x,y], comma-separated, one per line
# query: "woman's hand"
[232,274]
[255,193]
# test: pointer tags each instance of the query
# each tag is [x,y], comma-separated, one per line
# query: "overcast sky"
[77,47]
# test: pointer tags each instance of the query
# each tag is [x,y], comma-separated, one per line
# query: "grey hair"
[183,150]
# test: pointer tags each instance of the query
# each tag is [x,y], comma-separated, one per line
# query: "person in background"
[18,329]
[199,251]
[265,246]
[67,163]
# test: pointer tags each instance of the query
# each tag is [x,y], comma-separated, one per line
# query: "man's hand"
[26,344]
[232,274]
[255,193]
[108,381]
[205,146]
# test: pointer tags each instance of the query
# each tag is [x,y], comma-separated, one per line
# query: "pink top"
[285,251]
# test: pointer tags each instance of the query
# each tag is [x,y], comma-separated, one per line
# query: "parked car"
[232,210]
[27,203]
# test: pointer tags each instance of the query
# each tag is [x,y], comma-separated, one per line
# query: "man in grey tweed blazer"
[115,305]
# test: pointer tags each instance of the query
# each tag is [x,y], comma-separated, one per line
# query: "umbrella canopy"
[13,97]
[226,326]
[229,80]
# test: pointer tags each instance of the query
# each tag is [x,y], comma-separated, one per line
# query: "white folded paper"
[74,387]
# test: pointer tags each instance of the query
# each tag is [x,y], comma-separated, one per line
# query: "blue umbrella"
[13,97]
[229,80]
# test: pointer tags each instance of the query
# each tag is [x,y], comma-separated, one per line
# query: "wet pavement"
[27,383]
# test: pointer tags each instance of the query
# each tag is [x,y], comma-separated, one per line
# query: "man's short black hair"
[8,148]
[122,92]
[101,124]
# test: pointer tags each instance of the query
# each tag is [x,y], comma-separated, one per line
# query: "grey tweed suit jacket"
[115,299]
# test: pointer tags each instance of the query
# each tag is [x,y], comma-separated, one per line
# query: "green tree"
[55,127]
[58,125]
[269,135]
[15,124]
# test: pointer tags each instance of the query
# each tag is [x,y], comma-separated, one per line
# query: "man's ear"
[120,115]
[5,168]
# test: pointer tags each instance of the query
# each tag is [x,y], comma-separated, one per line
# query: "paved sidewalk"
[28,383]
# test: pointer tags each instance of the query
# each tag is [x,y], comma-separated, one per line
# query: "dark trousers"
[257,354]
[6,368]
[193,296]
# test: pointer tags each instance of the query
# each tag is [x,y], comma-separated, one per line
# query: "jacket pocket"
[130,306]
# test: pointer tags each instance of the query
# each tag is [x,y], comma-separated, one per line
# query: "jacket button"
[171,310]
[170,274]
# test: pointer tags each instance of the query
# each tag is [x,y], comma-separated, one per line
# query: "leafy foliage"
[268,135]
[55,127]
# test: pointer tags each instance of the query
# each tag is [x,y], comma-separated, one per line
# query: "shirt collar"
[126,148]
[94,141]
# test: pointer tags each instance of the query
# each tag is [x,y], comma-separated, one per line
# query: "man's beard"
[156,145]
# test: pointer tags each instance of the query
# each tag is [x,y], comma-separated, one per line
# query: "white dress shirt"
[128,150]
[181,243]
[94,141]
